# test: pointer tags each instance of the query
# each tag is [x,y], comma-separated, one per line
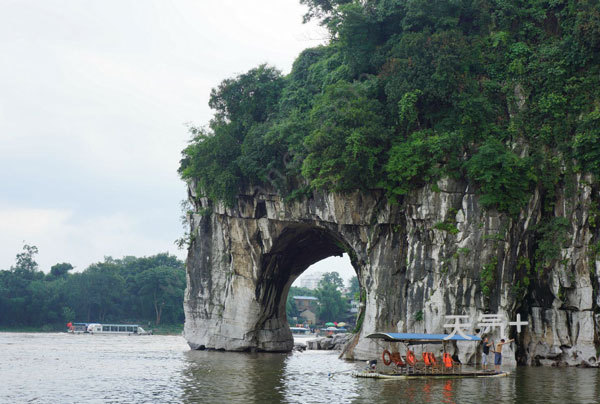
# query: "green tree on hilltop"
[26,263]
[60,270]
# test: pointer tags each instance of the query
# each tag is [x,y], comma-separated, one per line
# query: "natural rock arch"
[237,302]
[417,261]
[296,248]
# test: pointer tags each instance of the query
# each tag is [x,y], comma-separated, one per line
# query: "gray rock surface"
[417,261]
[337,342]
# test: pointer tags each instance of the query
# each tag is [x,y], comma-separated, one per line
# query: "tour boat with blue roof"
[408,366]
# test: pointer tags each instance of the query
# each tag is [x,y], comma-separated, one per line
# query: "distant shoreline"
[166,329]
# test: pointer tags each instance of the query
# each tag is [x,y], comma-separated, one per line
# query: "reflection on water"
[570,385]
[72,368]
[242,378]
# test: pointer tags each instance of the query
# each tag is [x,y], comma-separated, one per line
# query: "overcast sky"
[95,97]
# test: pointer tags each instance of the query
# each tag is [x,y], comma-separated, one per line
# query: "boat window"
[130,329]
[121,328]
[105,328]
[113,328]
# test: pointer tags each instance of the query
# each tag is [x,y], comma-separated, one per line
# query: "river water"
[64,368]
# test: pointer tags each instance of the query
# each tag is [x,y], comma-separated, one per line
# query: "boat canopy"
[417,339]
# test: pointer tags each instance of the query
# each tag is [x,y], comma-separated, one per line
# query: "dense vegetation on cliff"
[502,93]
[131,289]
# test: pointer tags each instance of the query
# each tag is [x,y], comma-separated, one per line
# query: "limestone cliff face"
[418,261]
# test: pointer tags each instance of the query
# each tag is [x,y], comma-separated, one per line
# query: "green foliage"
[332,278]
[450,227]
[594,215]
[321,8]
[464,250]
[408,112]
[210,161]
[347,141]
[332,305]
[587,142]
[68,314]
[361,315]
[128,289]
[354,288]
[168,329]
[419,316]
[504,179]
[25,260]
[552,235]
[524,266]
[488,276]
[433,65]
[518,290]
[496,237]
[418,160]
[162,286]
[234,147]
[502,94]
[248,99]
[60,270]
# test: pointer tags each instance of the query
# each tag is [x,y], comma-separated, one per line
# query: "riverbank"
[32,329]
[162,329]
[167,329]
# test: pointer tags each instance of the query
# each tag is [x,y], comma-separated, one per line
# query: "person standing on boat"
[498,354]
[486,352]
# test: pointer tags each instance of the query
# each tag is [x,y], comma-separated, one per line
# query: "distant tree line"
[116,290]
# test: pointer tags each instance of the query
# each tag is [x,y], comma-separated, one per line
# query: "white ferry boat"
[96,328]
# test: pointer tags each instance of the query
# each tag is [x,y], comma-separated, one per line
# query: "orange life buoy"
[387,361]
[410,358]
[447,360]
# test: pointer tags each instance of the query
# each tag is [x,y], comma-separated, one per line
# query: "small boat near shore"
[96,328]
[407,366]
[401,376]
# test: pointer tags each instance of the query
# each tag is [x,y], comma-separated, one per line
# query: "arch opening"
[293,252]
[310,304]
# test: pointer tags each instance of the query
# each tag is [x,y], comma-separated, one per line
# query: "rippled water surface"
[63,368]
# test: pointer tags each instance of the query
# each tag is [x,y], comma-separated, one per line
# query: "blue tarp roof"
[413,338]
